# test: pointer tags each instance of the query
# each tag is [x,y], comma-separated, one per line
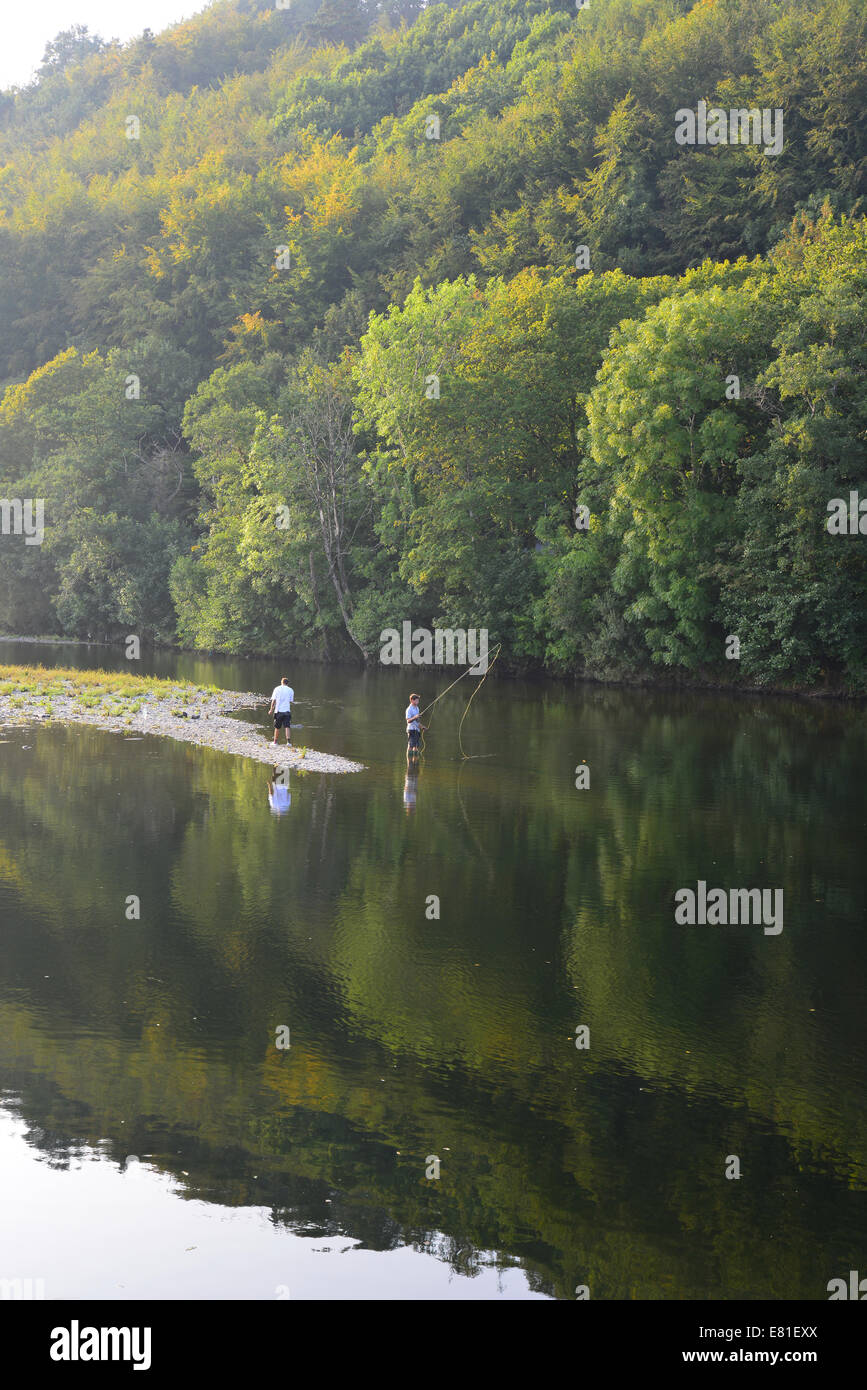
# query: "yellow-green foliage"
[121,692]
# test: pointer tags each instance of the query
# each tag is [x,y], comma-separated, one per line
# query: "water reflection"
[457,1036]
[410,786]
[279,796]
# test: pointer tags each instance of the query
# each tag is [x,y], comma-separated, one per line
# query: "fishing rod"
[464,756]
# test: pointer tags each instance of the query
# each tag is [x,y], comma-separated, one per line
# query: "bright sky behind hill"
[27,27]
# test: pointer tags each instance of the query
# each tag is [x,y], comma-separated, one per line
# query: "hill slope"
[196,227]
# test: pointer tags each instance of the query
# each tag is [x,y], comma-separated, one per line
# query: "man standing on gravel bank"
[281,708]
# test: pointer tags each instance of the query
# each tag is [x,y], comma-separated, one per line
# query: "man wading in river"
[413,728]
[281,708]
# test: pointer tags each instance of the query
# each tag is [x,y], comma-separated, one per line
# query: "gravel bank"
[202,719]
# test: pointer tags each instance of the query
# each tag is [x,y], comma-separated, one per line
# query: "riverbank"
[123,703]
[661,681]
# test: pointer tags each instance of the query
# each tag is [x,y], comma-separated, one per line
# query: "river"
[509,1073]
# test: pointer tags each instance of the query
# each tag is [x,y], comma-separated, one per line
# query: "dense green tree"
[93,438]
[476,395]
[70,46]
[302,214]
[798,590]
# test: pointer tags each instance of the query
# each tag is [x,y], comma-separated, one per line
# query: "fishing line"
[465,756]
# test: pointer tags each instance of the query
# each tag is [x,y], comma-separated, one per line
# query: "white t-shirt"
[412,715]
[283,696]
[280,799]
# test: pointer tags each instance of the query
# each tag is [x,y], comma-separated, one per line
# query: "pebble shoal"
[205,721]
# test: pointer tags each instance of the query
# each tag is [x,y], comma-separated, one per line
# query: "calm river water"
[154,1140]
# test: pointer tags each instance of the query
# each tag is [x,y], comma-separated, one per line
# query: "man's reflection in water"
[410,786]
[279,796]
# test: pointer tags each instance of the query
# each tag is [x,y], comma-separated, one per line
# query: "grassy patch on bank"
[112,692]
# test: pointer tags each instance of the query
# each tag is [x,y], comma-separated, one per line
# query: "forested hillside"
[322,318]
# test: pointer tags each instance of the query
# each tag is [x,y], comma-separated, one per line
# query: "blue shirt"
[412,714]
